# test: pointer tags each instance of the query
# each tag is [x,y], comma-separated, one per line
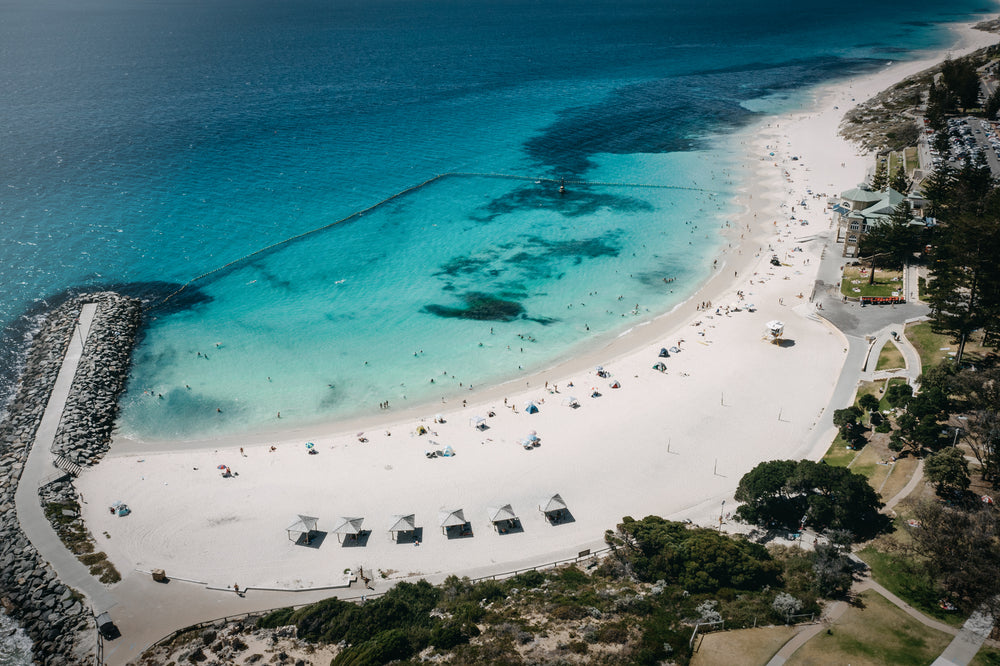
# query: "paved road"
[39,467]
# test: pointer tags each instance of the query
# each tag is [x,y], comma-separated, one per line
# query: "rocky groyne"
[84,434]
[56,618]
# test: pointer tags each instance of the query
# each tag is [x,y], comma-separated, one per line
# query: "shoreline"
[606,455]
[609,346]
[738,372]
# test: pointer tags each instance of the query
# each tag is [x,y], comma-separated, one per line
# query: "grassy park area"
[890,358]
[873,632]
[934,348]
[743,646]
[855,282]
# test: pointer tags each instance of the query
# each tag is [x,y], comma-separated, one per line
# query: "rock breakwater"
[57,619]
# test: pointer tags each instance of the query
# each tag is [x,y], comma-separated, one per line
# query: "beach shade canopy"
[478,422]
[345,525]
[402,523]
[499,514]
[616,384]
[531,408]
[553,502]
[304,525]
[570,401]
[664,353]
[451,518]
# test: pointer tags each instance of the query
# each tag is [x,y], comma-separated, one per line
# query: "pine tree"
[881,179]
[899,181]
[993,105]
[965,277]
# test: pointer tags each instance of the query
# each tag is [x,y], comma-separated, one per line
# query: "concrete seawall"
[57,618]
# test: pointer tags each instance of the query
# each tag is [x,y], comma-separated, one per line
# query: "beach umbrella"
[599,368]
[309,445]
[221,467]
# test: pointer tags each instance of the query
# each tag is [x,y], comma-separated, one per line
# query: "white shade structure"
[402,523]
[304,525]
[451,518]
[502,518]
[553,502]
[349,526]
[500,513]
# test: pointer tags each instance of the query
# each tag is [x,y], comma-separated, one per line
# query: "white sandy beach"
[673,444]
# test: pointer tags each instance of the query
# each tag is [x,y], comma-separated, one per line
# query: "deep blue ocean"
[144,143]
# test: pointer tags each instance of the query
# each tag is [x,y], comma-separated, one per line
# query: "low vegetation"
[637,605]
[64,517]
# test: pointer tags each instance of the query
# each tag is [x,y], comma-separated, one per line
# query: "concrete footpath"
[39,468]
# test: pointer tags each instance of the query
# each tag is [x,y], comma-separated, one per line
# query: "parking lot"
[970,138]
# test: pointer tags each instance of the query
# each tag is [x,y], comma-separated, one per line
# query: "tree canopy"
[948,471]
[964,286]
[697,559]
[895,239]
[786,493]
[961,551]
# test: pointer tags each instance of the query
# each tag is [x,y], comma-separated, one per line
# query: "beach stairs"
[67,466]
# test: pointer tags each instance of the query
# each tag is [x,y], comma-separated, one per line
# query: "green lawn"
[931,346]
[986,657]
[838,454]
[893,163]
[878,389]
[876,633]
[886,282]
[912,159]
[890,358]
[901,576]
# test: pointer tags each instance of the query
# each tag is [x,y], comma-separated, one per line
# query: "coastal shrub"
[528,579]
[571,578]
[496,652]
[274,619]
[697,559]
[576,647]
[662,636]
[612,632]
[447,635]
[381,649]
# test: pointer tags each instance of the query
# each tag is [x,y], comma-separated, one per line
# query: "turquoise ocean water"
[145,143]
